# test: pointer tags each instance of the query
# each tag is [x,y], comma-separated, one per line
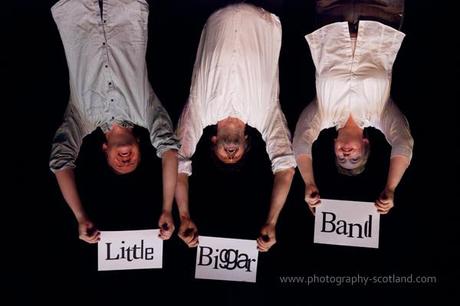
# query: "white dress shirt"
[107,75]
[236,75]
[354,83]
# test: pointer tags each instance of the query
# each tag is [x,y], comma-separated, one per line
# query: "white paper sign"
[126,250]
[347,223]
[226,259]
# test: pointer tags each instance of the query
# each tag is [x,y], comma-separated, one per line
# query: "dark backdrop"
[46,261]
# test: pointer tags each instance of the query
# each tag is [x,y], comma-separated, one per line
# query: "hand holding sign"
[312,197]
[166,225]
[385,201]
[267,237]
[188,232]
[88,232]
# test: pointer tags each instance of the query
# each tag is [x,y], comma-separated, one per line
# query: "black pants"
[389,12]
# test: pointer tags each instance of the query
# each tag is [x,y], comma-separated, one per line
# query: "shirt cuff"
[58,167]
[301,149]
[283,163]
[163,148]
[401,151]
[185,166]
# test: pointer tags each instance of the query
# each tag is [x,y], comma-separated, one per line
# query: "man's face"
[123,156]
[349,152]
[230,144]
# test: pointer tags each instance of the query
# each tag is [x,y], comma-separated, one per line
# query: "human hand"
[267,237]
[312,197]
[385,201]
[188,232]
[166,225]
[88,232]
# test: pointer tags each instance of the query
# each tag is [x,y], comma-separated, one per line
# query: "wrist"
[184,216]
[271,221]
[390,189]
[166,211]
[81,218]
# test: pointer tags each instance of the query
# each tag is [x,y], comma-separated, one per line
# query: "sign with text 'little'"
[127,250]
[347,223]
[226,259]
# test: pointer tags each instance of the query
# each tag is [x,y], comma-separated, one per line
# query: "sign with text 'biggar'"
[347,223]
[127,250]
[226,259]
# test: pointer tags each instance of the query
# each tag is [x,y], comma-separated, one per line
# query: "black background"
[46,261]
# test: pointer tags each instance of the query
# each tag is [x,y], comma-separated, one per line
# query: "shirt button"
[111,100]
[110,83]
[105,21]
[103,43]
[113,118]
[106,66]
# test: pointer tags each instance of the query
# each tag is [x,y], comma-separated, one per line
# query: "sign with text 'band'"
[226,259]
[347,223]
[127,250]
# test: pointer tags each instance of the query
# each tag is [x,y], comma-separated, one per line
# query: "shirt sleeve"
[189,131]
[307,129]
[67,140]
[161,129]
[395,127]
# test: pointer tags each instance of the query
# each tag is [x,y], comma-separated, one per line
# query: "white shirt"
[354,83]
[107,75]
[236,74]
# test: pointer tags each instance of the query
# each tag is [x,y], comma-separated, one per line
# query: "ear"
[214,139]
[104,147]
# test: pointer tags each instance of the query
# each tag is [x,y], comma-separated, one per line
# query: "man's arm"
[307,131]
[398,166]
[188,231]
[277,137]
[281,185]
[66,180]
[395,127]
[66,145]
[305,164]
[169,166]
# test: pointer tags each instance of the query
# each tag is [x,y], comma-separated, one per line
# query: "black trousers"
[389,12]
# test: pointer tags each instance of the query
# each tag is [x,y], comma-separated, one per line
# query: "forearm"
[66,181]
[281,185]
[169,166]
[305,164]
[182,195]
[398,165]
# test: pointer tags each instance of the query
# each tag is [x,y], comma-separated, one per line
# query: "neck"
[118,131]
[350,129]
[231,122]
